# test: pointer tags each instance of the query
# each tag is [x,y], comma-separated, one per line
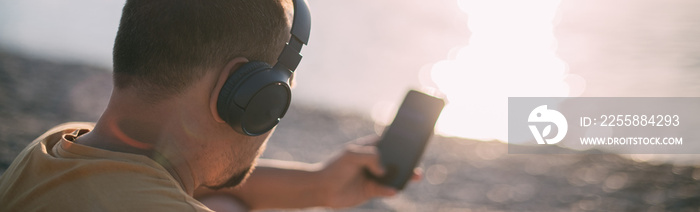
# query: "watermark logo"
[602,125]
[543,115]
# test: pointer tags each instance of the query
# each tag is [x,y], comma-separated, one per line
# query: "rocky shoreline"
[460,174]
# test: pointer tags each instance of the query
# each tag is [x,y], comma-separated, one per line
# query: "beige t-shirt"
[55,174]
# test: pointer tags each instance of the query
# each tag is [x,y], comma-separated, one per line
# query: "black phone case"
[404,141]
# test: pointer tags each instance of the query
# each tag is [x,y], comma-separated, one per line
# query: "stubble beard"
[235,180]
[240,177]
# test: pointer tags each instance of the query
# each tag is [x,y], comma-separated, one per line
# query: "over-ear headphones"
[256,96]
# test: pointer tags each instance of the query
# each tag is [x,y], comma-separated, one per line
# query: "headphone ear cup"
[226,105]
[266,108]
[254,98]
[241,73]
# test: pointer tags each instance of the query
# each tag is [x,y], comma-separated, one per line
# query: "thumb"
[377,190]
[367,156]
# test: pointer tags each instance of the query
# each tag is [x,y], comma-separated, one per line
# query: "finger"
[378,190]
[417,174]
[367,156]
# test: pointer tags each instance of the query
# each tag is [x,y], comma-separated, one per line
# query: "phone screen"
[405,140]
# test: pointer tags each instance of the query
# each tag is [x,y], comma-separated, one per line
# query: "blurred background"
[55,64]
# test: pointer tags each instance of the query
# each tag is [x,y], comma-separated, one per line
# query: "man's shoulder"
[49,138]
[43,179]
[81,189]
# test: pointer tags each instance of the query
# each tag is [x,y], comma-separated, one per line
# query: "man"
[162,144]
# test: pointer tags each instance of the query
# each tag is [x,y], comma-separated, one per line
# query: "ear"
[230,67]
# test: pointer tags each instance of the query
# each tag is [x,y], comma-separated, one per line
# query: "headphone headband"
[256,96]
[301,27]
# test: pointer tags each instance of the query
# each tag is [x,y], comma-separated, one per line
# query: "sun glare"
[511,53]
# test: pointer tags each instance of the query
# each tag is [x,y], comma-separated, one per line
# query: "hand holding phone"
[404,141]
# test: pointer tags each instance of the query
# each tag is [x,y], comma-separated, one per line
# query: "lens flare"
[511,53]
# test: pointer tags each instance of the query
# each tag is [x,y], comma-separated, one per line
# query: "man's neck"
[124,128]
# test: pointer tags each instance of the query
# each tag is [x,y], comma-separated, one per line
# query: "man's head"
[163,46]
[171,59]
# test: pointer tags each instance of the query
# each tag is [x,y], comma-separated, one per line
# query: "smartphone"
[404,141]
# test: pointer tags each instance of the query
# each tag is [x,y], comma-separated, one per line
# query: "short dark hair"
[162,46]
